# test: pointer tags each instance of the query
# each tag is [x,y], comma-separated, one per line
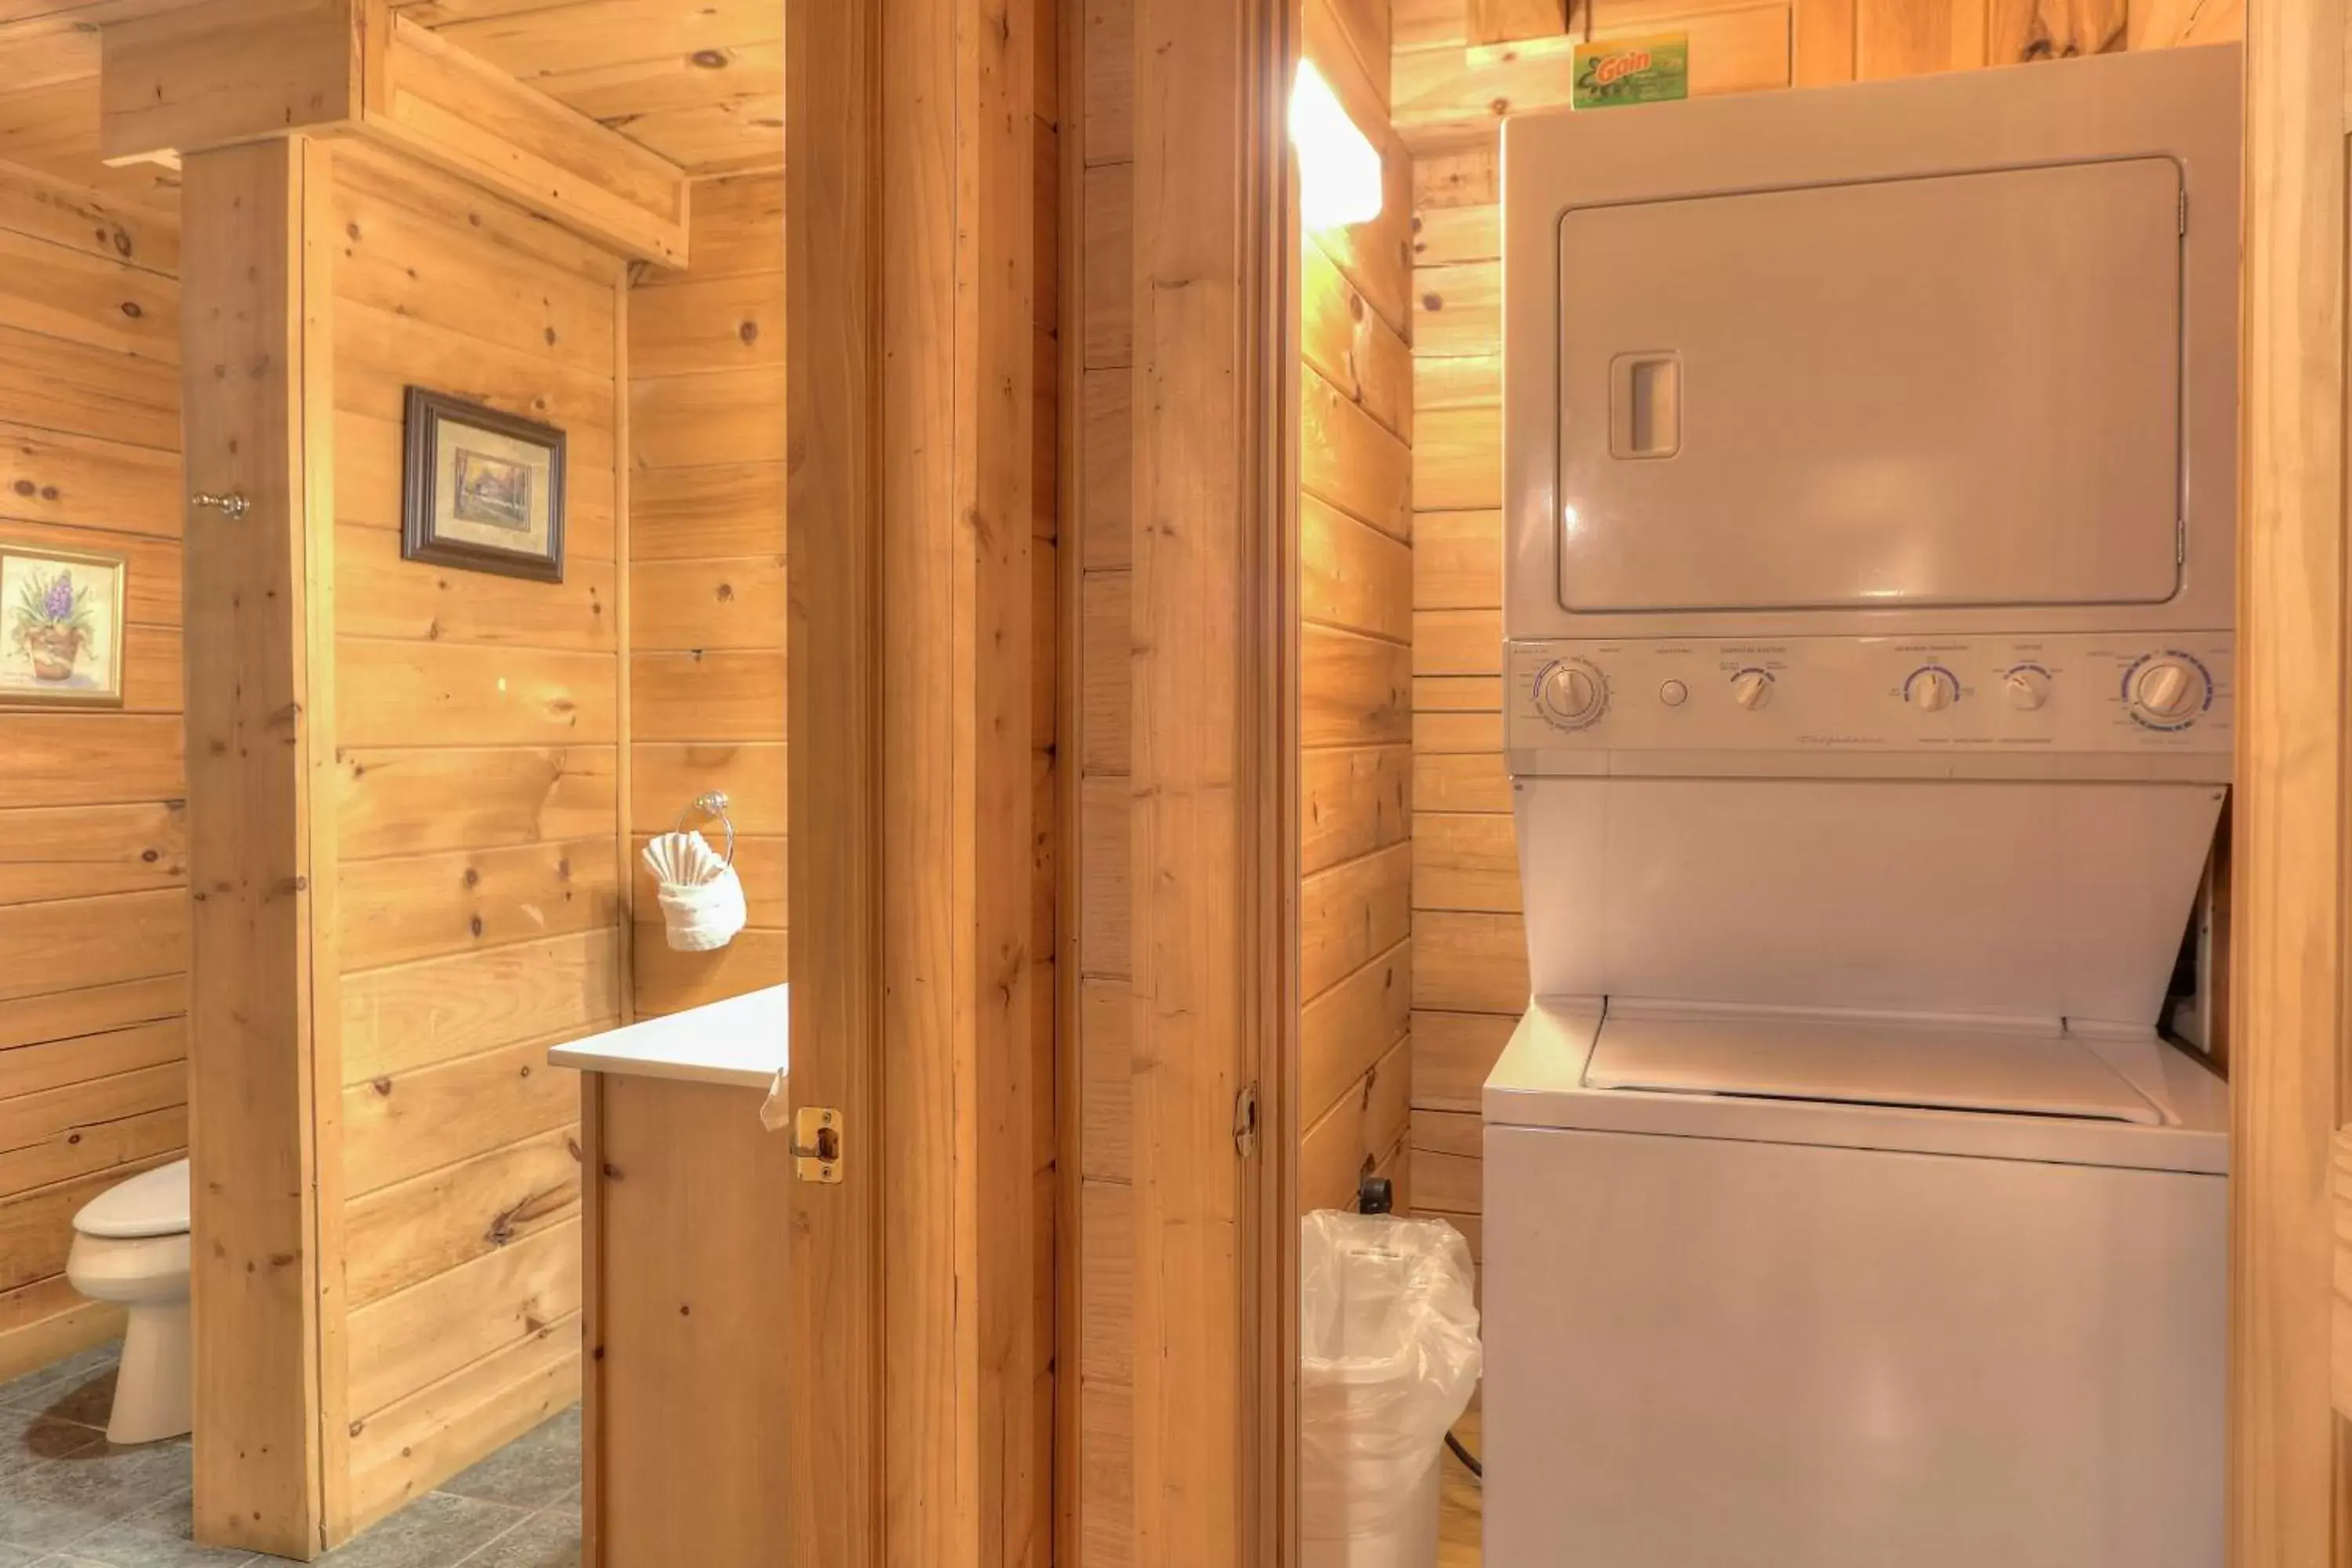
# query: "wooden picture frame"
[492,503]
[61,636]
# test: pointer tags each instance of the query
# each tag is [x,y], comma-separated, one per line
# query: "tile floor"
[68,1499]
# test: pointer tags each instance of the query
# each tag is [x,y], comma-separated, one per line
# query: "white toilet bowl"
[131,1246]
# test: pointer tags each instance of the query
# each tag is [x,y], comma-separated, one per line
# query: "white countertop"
[744,1041]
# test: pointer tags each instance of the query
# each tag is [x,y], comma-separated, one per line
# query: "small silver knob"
[229,505]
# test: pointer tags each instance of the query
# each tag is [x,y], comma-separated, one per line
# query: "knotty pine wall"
[705,551]
[1469,954]
[1355,594]
[93,885]
[479,902]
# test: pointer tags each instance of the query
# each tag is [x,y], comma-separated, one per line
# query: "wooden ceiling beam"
[229,71]
[1510,21]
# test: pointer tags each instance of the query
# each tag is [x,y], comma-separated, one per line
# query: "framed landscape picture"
[481,489]
[60,628]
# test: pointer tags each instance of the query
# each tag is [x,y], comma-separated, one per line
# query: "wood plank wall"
[1469,951]
[706,554]
[480,910]
[93,882]
[1355,598]
[1097,1414]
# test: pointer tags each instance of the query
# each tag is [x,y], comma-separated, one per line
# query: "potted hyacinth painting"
[61,641]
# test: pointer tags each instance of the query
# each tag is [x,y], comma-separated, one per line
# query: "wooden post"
[263,1066]
[2288,1069]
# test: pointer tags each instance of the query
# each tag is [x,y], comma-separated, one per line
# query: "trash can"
[1389,1356]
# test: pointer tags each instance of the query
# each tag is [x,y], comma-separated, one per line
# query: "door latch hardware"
[229,505]
[1245,1122]
[816,1144]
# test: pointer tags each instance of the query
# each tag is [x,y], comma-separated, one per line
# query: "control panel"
[2139,693]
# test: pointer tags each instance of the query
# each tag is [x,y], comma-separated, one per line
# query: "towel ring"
[712,804]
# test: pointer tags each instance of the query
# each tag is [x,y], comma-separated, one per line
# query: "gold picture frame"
[61,627]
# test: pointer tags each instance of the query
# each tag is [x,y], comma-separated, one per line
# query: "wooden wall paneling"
[1509,21]
[1350,344]
[1349,1141]
[399,800]
[1907,38]
[44,1323]
[1354,596]
[2289,1069]
[414,1121]
[411,1014]
[482,777]
[256,281]
[404,1343]
[2170,24]
[1352,801]
[404,1449]
[2017,31]
[1447,92]
[48,380]
[39,207]
[1823,42]
[1350,1025]
[409,1233]
[708,613]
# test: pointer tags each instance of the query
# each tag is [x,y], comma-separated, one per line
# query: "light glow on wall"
[1339,167]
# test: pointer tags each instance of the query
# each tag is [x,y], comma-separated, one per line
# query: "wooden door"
[831,1492]
[919,1367]
[2291,1306]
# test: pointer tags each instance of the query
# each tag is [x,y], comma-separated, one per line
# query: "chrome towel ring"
[712,803]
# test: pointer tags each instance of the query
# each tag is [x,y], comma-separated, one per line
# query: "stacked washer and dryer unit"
[1871,476]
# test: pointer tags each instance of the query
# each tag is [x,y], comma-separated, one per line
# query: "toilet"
[131,1246]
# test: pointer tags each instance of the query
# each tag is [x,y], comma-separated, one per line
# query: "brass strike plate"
[816,1144]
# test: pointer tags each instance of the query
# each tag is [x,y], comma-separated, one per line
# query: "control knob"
[1570,694]
[2167,691]
[2026,689]
[1933,691]
[1751,689]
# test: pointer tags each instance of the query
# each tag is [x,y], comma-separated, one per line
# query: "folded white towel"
[701,897]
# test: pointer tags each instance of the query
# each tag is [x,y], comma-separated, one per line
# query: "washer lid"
[153,1202]
[1913,1063]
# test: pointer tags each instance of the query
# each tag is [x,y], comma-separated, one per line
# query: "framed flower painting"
[60,628]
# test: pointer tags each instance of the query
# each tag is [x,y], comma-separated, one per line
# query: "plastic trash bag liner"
[1389,1358]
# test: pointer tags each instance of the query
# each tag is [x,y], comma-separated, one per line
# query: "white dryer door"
[1955,389]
